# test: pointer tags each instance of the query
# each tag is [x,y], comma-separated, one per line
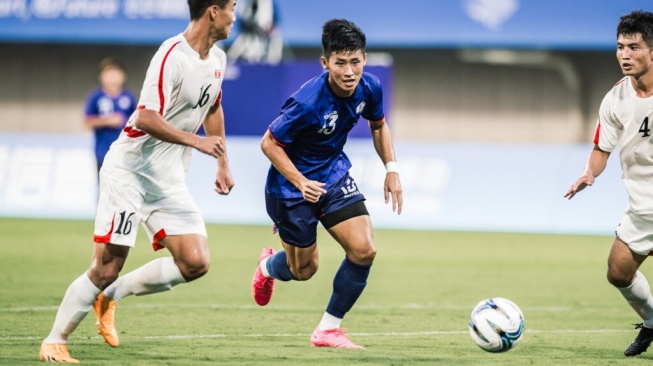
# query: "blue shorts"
[296,219]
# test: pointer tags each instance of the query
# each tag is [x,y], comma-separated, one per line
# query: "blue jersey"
[313,126]
[98,104]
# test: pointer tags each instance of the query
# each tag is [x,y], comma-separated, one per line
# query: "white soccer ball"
[496,324]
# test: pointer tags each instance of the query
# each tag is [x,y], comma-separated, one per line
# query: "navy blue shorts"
[296,219]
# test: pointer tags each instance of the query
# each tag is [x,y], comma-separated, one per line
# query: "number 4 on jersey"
[644,129]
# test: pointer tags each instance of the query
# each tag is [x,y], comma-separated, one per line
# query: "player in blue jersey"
[108,107]
[309,179]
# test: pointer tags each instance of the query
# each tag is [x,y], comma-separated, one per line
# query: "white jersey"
[627,120]
[181,87]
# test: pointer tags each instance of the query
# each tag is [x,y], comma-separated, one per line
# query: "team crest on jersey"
[217,74]
[360,108]
[124,102]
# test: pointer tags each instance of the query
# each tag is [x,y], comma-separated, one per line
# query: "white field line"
[293,335]
[554,309]
[278,335]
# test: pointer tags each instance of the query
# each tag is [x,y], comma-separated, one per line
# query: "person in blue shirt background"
[109,106]
[309,179]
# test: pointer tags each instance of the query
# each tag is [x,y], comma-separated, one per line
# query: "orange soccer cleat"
[105,309]
[55,352]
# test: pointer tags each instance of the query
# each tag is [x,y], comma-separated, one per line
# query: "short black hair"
[341,35]
[637,22]
[111,62]
[198,7]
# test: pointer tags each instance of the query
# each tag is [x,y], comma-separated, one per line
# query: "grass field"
[414,311]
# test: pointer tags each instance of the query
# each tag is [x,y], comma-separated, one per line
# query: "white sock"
[161,274]
[264,267]
[638,295]
[76,303]
[329,322]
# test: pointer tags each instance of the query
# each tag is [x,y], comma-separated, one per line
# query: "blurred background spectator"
[108,106]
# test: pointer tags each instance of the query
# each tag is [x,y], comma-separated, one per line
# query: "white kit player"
[626,119]
[143,179]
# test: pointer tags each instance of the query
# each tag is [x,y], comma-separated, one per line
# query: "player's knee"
[194,270]
[104,277]
[305,272]
[363,255]
[618,278]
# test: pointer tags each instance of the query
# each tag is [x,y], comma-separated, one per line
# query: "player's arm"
[109,120]
[596,163]
[152,123]
[214,126]
[383,145]
[311,190]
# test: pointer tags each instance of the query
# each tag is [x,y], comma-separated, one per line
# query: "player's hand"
[223,181]
[392,187]
[114,119]
[581,183]
[312,190]
[211,145]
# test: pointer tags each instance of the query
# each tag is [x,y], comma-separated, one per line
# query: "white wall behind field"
[447,186]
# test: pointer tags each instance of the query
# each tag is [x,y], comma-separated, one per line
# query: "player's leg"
[628,252]
[354,234]
[296,220]
[191,255]
[355,237]
[623,273]
[180,228]
[189,261]
[106,263]
[116,217]
[176,224]
[301,262]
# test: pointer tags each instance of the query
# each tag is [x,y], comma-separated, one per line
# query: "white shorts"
[637,232]
[122,207]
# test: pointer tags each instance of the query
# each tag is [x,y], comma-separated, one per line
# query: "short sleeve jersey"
[181,87]
[98,104]
[626,120]
[313,126]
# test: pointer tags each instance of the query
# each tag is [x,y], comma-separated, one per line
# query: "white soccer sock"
[638,295]
[76,303]
[161,274]
[264,267]
[329,322]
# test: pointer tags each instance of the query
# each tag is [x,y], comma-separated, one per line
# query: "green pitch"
[414,311]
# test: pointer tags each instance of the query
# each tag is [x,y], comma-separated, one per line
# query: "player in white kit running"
[626,119]
[143,179]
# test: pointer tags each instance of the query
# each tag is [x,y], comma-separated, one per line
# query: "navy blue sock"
[348,285]
[277,266]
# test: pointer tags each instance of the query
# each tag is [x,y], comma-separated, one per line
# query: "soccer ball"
[496,324]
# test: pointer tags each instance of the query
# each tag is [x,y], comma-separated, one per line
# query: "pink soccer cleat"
[335,338]
[262,286]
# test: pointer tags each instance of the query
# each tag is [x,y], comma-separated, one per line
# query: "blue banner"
[561,24]
[253,94]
